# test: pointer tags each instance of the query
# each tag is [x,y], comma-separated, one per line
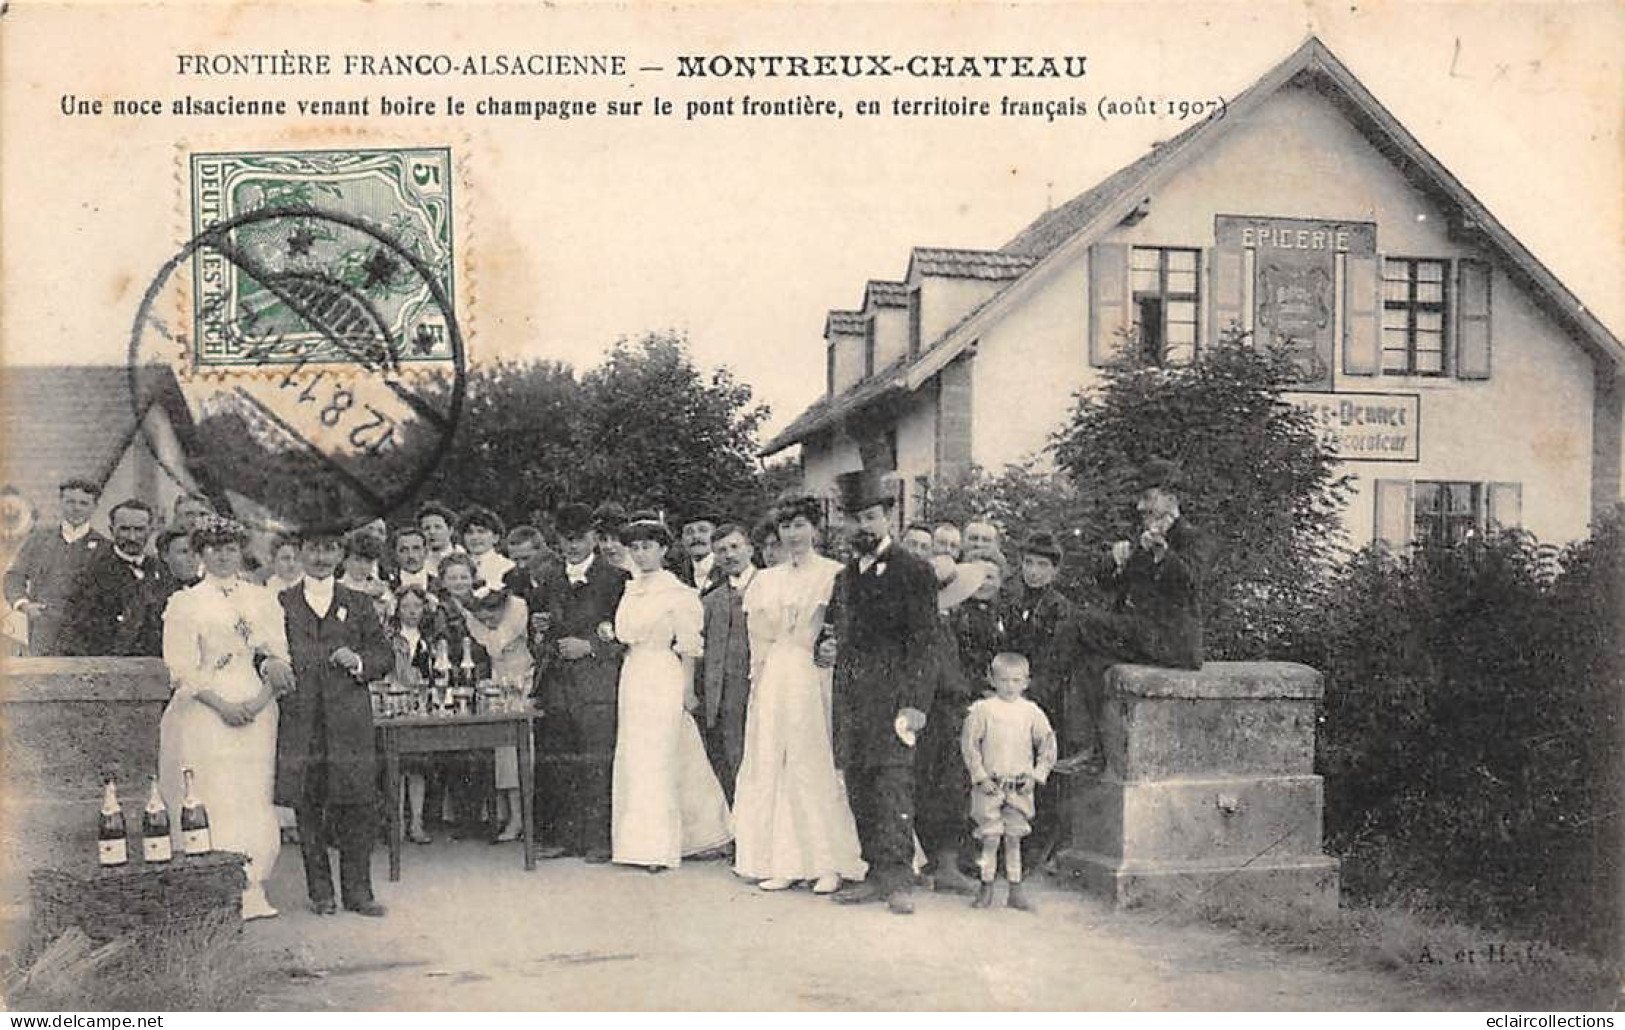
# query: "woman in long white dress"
[500,623]
[791,818]
[667,802]
[226,646]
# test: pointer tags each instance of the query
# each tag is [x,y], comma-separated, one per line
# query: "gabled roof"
[843,322]
[883,293]
[1058,235]
[967,264]
[61,421]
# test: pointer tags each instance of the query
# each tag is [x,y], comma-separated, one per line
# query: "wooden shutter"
[1109,299]
[869,346]
[1505,510]
[1472,319]
[1227,288]
[1395,513]
[829,368]
[1362,315]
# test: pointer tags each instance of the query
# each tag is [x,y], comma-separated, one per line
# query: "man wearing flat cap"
[1153,614]
[579,669]
[883,610]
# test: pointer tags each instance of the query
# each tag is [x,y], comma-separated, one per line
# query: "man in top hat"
[42,579]
[117,607]
[1152,615]
[326,760]
[883,609]
[578,669]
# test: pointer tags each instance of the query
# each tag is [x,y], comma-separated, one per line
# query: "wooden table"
[427,734]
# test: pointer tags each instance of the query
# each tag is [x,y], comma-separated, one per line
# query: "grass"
[209,967]
[1479,968]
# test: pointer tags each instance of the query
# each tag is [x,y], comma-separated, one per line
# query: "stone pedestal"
[1209,789]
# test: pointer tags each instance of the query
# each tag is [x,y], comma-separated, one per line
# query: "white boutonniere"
[90,546]
[341,614]
[880,568]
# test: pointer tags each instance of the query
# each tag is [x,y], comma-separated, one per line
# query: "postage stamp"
[301,259]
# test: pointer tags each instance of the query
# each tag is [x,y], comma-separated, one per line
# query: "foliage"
[1470,740]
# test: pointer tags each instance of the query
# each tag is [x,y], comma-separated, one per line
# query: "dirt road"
[468,929]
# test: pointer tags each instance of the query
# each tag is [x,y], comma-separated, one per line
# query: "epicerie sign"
[1295,234]
[1366,426]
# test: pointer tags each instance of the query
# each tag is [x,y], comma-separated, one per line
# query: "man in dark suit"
[326,761]
[42,579]
[116,608]
[884,613]
[697,563]
[579,670]
[725,672]
[1153,614]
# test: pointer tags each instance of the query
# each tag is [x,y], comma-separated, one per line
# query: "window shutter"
[914,341]
[1472,319]
[1362,316]
[1108,302]
[1226,273]
[829,369]
[1505,506]
[869,347]
[1395,516]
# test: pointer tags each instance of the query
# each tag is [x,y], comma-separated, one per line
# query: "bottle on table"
[466,679]
[112,843]
[155,846]
[194,822]
[440,680]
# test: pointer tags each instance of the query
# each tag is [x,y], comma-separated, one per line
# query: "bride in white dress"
[667,802]
[791,818]
[226,646]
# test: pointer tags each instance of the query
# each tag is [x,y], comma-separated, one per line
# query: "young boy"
[1009,749]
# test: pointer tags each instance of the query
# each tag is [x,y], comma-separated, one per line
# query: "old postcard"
[511,505]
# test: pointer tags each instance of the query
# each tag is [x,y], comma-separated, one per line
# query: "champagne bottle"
[112,848]
[155,845]
[441,681]
[194,822]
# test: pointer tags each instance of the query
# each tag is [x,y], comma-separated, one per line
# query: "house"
[1464,384]
[63,421]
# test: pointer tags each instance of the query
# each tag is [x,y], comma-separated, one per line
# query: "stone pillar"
[1209,789]
[64,724]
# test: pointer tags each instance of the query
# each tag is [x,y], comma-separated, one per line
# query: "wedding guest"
[413,641]
[42,578]
[188,509]
[326,756]
[1009,750]
[882,646]
[609,518]
[284,569]
[436,520]
[791,822]
[501,625]
[667,802]
[945,540]
[725,671]
[362,553]
[981,538]
[531,557]
[116,607]
[578,687]
[765,539]
[697,560]
[480,529]
[469,775]
[411,549]
[226,647]
[917,540]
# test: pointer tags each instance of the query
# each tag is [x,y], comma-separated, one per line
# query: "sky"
[744,232]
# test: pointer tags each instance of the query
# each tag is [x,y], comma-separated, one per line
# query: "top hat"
[1158,474]
[864,489]
[572,519]
[1042,542]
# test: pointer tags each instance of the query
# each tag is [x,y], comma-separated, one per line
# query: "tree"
[1258,482]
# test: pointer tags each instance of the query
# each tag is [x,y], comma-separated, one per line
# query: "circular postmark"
[323,370]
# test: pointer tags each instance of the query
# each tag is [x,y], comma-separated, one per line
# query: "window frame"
[1434,524]
[1166,299]
[1411,306]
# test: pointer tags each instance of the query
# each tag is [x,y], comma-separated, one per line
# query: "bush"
[1470,735]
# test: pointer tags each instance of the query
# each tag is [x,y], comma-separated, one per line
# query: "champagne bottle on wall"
[155,846]
[194,822]
[112,844]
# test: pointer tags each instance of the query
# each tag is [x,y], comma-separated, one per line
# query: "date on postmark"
[302,284]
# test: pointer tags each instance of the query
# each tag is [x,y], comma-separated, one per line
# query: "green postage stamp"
[322,257]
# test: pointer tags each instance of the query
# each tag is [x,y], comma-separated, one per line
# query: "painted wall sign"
[1366,426]
[1294,291]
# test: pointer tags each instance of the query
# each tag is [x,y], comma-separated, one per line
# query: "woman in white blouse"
[226,647]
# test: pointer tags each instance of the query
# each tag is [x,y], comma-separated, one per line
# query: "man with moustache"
[42,579]
[725,670]
[883,609]
[117,608]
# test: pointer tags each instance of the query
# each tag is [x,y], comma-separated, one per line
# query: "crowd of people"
[854,711]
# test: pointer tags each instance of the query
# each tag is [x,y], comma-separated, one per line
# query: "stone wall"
[66,723]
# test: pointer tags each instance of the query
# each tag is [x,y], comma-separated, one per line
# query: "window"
[1165,303]
[1413,317]
[1448,513]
